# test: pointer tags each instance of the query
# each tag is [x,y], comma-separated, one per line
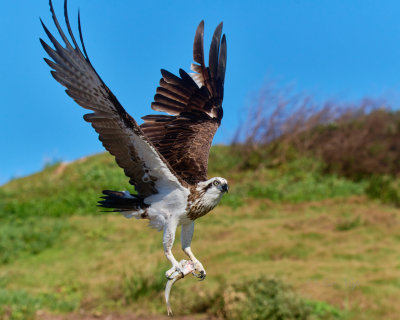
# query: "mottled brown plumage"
[114,125]
[204,197]
[184,138]
[196,208]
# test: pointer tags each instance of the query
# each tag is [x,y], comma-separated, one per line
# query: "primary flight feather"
[165,158]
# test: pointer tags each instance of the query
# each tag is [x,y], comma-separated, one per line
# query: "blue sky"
[347,49]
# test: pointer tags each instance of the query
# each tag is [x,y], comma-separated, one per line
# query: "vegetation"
[307,231]
[326,244]
[357,141]
[300,180]
[263,298]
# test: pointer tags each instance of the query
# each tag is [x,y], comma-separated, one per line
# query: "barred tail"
[128,204]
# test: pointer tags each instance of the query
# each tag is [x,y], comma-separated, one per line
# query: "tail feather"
[122,201]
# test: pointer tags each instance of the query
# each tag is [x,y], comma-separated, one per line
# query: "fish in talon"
[187,267]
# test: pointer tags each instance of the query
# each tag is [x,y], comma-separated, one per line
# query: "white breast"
[167,205]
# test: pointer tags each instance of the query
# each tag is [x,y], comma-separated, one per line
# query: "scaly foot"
[200,271]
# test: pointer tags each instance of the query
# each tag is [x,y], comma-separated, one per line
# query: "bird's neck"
[200,202]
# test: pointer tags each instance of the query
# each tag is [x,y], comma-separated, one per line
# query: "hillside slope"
[289,227]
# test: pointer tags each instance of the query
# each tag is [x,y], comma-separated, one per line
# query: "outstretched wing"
[195,104]
[117,130]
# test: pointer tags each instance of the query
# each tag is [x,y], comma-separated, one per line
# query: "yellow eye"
[216,183]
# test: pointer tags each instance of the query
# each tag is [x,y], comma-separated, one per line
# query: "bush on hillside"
[269,299]
[385,188]
[353,139]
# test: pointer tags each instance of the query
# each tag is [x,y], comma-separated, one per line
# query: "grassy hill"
[289,241]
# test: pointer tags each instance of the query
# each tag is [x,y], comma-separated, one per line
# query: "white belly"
[167,206]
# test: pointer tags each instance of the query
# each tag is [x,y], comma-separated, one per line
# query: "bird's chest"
[168,203]
[198,206]
[198,210]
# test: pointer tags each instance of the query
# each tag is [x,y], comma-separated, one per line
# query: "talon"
[199,272]
[202,276]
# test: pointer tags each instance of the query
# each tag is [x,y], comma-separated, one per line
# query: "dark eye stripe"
[208,186]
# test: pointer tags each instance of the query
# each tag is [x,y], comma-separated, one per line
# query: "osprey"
[166,157]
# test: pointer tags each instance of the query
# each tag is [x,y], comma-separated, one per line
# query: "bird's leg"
[168,242]
[186,239]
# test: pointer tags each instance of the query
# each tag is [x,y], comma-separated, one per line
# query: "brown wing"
[195,105]
[117,130]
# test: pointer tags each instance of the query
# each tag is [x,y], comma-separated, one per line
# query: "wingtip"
[81,37]
[222,59]
[218,30]
[42,23]
[200,28]
[199,31]
[198,45]
[214,51]
[65,5]
[51,7]
[65,9]
[165,73]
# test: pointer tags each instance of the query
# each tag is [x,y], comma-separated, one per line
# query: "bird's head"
[214,187]
[210,192]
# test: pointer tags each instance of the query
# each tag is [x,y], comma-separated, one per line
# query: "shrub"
[354,139]
[384,188]
[268,299]
[349,224]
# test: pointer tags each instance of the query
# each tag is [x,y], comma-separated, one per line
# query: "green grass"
[106,263]
[144,284]
[21,305]
[313,243]
[28,236]
[298,181]
[62,189]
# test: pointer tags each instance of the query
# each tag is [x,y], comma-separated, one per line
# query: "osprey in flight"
[166,157]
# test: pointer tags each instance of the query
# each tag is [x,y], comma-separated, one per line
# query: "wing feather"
[214,53]
[194,102]
[117,130]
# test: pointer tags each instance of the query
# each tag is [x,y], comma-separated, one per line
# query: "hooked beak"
[225,187]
